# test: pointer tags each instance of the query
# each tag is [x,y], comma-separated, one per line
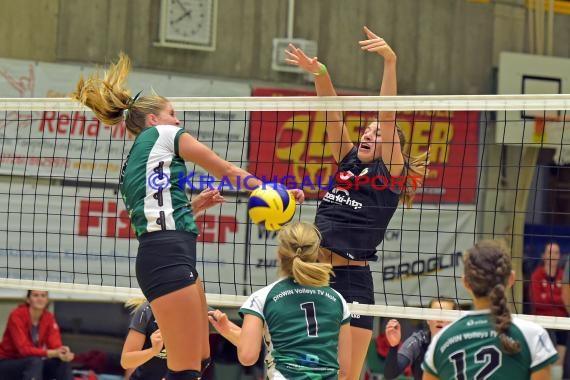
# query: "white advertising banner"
[83,236]
[421,256]
[77,146]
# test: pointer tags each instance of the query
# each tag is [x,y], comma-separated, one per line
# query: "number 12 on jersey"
[488,356]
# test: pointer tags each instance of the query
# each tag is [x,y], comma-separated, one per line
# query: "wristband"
[323,70]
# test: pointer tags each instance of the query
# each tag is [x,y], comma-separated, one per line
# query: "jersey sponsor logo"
[472,322]
[309,360]
[355,316]
[341,199]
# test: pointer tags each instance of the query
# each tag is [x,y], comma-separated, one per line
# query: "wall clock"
[188,24]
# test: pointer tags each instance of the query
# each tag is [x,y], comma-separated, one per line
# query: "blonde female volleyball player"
[143,350]
[353,230]
[488,343]
[163,222]
[303,321]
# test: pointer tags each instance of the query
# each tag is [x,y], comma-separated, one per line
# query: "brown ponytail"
[415,169]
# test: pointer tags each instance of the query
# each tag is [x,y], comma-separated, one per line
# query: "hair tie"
[298,252]
[136,97]
[130,104]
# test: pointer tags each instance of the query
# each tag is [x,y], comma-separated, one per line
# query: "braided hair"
[487,270]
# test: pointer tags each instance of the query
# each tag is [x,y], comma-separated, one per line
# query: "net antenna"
[544,125]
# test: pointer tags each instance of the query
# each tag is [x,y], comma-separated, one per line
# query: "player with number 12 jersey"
[469,349]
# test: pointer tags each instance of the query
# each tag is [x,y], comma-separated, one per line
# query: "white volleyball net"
[63,226]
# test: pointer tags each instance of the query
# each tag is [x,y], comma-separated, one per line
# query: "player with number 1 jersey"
[303,321]
[302,324]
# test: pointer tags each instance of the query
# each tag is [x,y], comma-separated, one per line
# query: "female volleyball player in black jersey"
[353,222]
[143,349]
[163,222]
[412,351]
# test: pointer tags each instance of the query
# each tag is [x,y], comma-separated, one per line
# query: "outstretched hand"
[393,332]
[376,44]
[299,195]
[206,199]
[219,320]
[297,57]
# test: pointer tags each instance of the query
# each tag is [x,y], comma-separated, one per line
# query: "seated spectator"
[546,299]
[412,352]
[31,347]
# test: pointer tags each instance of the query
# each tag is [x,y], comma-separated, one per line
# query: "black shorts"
[355,284]
[166,262]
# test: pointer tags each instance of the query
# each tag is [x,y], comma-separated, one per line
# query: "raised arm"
[206,199]
[391,150]
[337,133]
[133,354]
[395,363]
[252,331]
[229,330]
[190,149]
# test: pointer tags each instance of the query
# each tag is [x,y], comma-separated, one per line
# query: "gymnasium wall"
[444,46]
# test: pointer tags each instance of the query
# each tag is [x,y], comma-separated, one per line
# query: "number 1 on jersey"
[310,318]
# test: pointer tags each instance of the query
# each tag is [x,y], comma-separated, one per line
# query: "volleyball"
[271,204]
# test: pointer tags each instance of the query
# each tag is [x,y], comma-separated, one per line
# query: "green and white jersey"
[470,349]
[153,162]
[302,325]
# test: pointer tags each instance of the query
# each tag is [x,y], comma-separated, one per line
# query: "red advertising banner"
[290,147]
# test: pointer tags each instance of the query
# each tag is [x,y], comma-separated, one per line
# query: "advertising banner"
[75,145]
[290,146]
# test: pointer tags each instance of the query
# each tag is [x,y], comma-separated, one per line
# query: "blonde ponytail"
[133,303]
[112,103]
[299,245]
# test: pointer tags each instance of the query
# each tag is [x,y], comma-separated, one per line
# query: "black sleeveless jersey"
[143,322]
[353,219]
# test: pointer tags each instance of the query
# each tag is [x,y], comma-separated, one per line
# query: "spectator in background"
[31,347]
[546,299]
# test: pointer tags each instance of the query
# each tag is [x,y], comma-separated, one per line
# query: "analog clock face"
[189,21]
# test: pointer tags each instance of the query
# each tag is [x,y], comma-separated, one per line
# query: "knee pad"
[205,364]
[189,374]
